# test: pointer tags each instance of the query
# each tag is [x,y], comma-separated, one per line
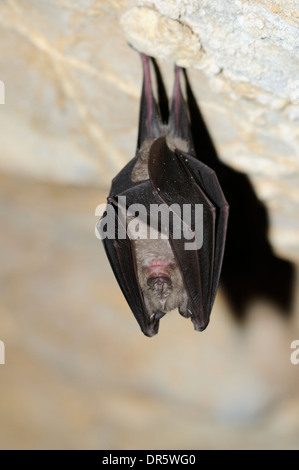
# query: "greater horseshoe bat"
[156,268]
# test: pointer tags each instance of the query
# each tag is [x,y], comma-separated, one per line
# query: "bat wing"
[175,180]
[178,178]
[119,250]
[150,124]
[178,125]
[121,254]
[206,178]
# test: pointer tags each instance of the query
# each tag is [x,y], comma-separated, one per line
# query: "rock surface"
[248,52]
[72,87]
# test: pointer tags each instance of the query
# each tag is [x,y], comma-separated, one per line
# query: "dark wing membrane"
[149,117]
[175,178]
[178,125]
[208,181]
[122,181]
[122,261]
[121,255]
[172,180]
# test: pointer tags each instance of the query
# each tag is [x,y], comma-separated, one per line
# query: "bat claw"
[198,325]
[186,313]
[157,315]
[153,328]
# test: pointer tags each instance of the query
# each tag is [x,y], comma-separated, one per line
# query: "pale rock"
[72,85]
[170,39]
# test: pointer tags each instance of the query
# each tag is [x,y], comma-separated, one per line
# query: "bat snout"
[160,285]
[159,281]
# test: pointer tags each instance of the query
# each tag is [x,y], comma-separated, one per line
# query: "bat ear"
[150,124]
[179,125]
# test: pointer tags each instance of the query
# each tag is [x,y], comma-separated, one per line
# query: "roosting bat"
[177,198]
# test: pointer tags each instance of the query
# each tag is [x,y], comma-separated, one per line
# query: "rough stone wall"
[248,52]
[72,87]
[68,94]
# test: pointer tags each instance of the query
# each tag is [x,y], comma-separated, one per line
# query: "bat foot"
[153,328]
[185,313]
[158,315]
[199,325]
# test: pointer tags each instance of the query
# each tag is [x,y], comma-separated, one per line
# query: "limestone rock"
[249,53]
[72,86]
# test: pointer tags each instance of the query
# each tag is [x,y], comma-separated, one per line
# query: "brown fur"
[140,170]
[171,294]
[172,297]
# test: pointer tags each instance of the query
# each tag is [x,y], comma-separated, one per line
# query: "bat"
[166,217]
